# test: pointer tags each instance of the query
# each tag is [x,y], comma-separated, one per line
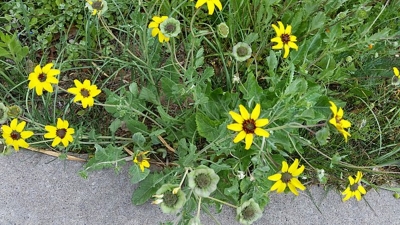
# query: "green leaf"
[133,88]
[135,126]
[146,189]
[298,86]
[206,127]
[318,21]
[138,139]
[251,38]
[322,136]
[109,157]
[149,95]
[115,125]
[136,174]
[250,89]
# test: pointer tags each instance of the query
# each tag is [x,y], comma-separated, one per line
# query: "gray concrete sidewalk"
[39,189]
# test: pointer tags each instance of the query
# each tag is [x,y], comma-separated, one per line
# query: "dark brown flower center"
[170,199]
[97,5]
[242,51]
[61,133]
[354,187]
[139,158]
[202,180]
[338,119]
[15,135]
[85,92]
[42,77]
[170,28]
[285,38]
[249,126]
[286,177]
[248,213]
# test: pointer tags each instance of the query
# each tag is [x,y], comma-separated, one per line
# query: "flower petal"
[294,166]
[239,137]
[275,177]
[243,111]
[292,188]
[235,127]
[261,122]
[256,112]
[237,117]
[249,141]
[285,167]
[261,132]
[297,184]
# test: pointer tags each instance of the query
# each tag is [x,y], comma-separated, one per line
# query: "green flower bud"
[203,181]
[349,59]
[170,27]
[248,212]
[3,113]
[14,111]
[341,15]
[194,221]
[98,7]
[241,51]
[171,203]
[223,30]
[362,14]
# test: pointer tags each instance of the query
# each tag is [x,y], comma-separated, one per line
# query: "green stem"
[220,201]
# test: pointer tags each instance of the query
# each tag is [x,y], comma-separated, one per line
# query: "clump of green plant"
[227,110]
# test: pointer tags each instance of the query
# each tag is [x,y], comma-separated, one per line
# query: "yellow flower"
[15,135]
[142,160]
[288,177]
[84,92]
[98,7]
[354,189]
[155,25]
[396,72]
[284,38]
[42,78]
[210,5]
[248,124]
[60,133]
[338,121]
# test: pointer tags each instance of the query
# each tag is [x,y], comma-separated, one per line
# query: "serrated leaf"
[298,86]
[251,38]
[135,126]
[206,127]
[250,89]
[139,139]
[322,136]
[136,174]
[146,189]
[109,157]
[149,95]
[133,88]
[115,125]
[318,21]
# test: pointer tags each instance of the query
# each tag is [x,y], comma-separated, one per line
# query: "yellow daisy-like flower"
[42,78]
[60,133]
[155,26]
[210,5]
[84,92]
[142,160]
[248,124]
[15,135]
[354,189]
[338,121]
[396,72]
[288,178]
[284,38]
